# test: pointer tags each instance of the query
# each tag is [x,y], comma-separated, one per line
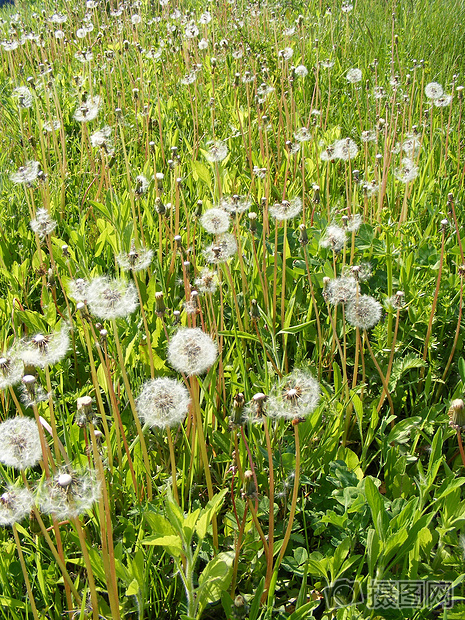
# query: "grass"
[267,499]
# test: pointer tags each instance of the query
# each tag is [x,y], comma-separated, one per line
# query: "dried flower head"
[363,312]
[217,151]
[111,299]
[297,396]
[341,290]
[163,402]
[19,443]
[43,224]
[345,149]
[287,209]
[11,369]
[26,174]
[69,493]
[456,414]
[222,250]
[353,76]
[45,349]
[23,96]
[135,259]
[334,238]
[15,504]
[207,282]
[433,90]
[77,290]
[31,393]
[407,171]
[235,203]
[192,351]
[88,110]
[215,221]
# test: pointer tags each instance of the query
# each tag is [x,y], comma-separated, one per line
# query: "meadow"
[231,310]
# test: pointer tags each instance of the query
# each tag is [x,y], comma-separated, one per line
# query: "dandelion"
[32,394]
[328,153]
[15,504]
[353,223]
[433,90]
[217,150]
[11,370]
[407,172]
[334,238]
[88,110]
[341,290]
[203,44]
[101,137]
[192,351]
[296,397]
[44,350]
[347,7]
[411,146]
[142,185]
[363,312]
[163,402]
[456,414]
[353,76]
[255,409]
[24,96]
[111,299]
[69,494]
[301,71]
[287,209]
[20,443]
[302,135]
[286,53]
[345,149]
[191,31]
[135,260]
[369,135]
[327,64]
[43,224]
[26,174]
[443,101]
[207,282]
[221,251]
[53,125]
[235,203]
[78,289]
[215,221]
[136,19]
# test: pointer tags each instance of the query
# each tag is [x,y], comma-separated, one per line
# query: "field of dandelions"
[232,278]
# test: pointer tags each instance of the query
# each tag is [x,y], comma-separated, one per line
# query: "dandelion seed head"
[353,76]
[345,149]
[45,350]
[334,238]
[363,312]
[217,151]
[43,224]
[215,221]
[69,493]
[136,259]
[111,299]
[301,71]
[192,351]
[297,396]
[88,110]
[20,443]
[235,203]
[222,250]
[163,402]
[23,96]
[15,504]
[407,171]
[302,135]
[341,290]
[11,370]
[443,102]
[26,174]
[207,282]
[287,209]
[433,90]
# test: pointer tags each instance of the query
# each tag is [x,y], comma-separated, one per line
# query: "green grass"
[264,518]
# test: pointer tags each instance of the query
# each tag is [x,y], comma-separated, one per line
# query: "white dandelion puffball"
[15,504]
[163,402]
[363,312]
[20,443]
[297,396]
[287,209]
[45,349]
[433,90]
[215,221]
[192,351]
[111,299]
[69,494]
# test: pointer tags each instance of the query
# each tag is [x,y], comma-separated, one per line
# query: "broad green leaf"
[160,526]
[133,588]
[215,578]
[207,513]
[378,512]
[172,544]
